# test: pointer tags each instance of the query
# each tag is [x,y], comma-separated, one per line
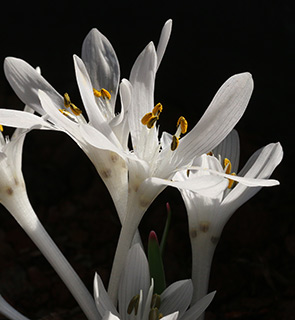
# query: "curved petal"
[110,316]
[177,297]
[135,277]
[8,311]
[101,298]
[230,148]
[221,116]
[260,165]
[101,63]
[22,119]
[142,78]
[207,185]
[173,316]
[163,42]
[26,81]
[199,307]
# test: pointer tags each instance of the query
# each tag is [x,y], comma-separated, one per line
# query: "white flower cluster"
[202,164]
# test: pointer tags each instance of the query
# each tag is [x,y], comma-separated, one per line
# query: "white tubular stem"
[22,211]
[202,254]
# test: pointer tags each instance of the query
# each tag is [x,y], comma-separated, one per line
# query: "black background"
[253,269]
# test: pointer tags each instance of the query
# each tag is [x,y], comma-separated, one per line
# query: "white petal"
[173,316]
[142,78]
[110,316]
[164,38]
[209,185]
[135,277]
[230,148]
[177,297]
[26,82]
[260,165]
[221,116]
[101,63]
[21,119]
[199,307]
[101,297]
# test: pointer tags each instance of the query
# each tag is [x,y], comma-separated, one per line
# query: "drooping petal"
[164,38]
[135,277]
[207,185]
[101,63]
[101,298]
[223,113]
[199,307]
[142,78]
[260,166]
[177,297]
[26,81]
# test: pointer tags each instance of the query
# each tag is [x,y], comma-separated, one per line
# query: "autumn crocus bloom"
[134,178]
[13,197]
[137,299]
[208,216]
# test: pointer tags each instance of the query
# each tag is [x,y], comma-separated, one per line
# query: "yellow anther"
[227,166]
[67,100]
[1,128]
[146,118]
[174,143]
[158,108]
[156,301]
[96,93]
[183,124]
[231,182]
[210,153]
[150,118]
[133,305]
[105,94]
[68,104]
[76,111]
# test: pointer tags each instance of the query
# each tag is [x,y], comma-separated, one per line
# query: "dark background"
[253,268]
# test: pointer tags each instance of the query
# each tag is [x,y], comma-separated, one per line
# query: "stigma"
[181,129]
[151,118]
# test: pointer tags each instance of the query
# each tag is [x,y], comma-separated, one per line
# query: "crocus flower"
[134,177]
[208,216]
[137,299]
[14,198]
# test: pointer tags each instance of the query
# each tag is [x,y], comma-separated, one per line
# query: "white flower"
[137,299]
[208,216]
[14,198]
[133,177]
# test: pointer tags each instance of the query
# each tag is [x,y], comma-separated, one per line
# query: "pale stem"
[203,247]
[128,231]
[20,207]
[9,312]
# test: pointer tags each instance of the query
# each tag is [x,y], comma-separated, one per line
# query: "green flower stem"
[19,206]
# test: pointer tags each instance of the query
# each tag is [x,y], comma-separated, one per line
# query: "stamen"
[174,143]
[133,305]
[156,301]
[183,124]
[227,166]
[150,118]
[210,153]
[105,94]
[68,104]
[102,93]
[1,128]
[158,108]
[154,314]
